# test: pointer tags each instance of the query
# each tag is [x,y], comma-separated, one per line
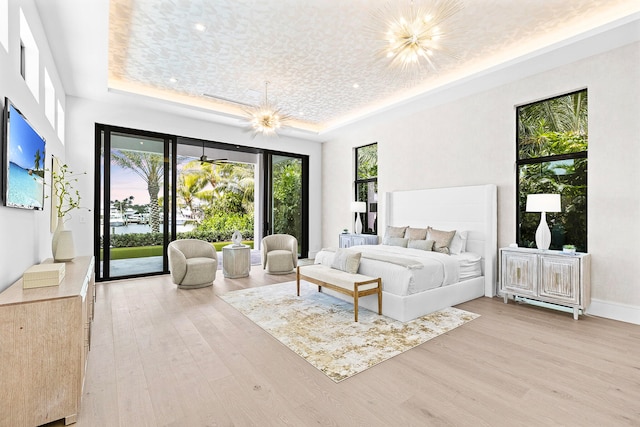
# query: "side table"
[236,261]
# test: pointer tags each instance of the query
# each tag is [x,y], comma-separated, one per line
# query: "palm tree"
[189,186]
[150,167]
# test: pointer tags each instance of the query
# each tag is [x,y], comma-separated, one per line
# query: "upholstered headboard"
[472,208]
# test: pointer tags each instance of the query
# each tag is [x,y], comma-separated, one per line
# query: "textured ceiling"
[313,51]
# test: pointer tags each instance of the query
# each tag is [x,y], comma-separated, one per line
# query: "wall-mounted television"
[24,161]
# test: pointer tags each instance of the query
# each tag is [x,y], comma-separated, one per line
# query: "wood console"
[45,335]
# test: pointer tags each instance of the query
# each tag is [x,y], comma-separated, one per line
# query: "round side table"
[236,261]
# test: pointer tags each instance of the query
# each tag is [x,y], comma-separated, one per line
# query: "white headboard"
[472,208]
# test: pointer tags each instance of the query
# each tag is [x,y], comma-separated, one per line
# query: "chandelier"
[418,33]
[265,118]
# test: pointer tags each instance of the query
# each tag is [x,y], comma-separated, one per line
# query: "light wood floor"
[167,357]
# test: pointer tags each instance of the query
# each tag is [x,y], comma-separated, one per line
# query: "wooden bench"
[354,285]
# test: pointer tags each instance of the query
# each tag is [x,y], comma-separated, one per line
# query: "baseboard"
[615,311]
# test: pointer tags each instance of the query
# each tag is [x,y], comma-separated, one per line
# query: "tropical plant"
[66,197]
[287,187]
[150,167]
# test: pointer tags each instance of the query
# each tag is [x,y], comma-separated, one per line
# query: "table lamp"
[358,208]
[543,203]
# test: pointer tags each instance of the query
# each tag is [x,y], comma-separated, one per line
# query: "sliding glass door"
[134,218]
[153,188]
[286,199]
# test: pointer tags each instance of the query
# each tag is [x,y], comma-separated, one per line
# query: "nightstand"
[553,277]
[347,240]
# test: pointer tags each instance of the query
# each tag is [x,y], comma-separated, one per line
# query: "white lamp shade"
[358,207]
[543,203]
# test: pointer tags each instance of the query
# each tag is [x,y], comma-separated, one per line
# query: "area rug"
[320,328]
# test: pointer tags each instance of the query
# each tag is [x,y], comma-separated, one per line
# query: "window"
[49,98]
[29,58]
[552,138]
[366,185]
[60,126]
[4,24]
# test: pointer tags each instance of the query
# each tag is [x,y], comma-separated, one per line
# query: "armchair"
[279,253]
[193,263]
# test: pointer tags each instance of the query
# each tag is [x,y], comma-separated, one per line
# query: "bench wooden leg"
[298,279]
[379,296]
[355,303]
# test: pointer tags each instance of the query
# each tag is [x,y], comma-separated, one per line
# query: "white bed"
[409,293]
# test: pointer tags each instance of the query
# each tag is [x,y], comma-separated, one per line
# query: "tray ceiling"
[321,57]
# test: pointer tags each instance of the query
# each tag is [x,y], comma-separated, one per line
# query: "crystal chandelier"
[418,33]
[265,118]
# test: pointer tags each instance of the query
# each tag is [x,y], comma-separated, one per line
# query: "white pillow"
[459,243]
[346,260]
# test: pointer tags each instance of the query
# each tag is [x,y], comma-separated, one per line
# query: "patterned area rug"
[320,328]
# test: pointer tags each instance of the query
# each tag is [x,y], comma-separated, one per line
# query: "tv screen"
[23,162]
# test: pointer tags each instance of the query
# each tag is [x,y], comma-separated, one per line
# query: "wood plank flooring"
[167,357]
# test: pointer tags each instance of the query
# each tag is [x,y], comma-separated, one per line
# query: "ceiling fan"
[204,159]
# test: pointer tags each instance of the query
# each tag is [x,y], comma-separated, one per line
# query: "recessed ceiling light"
[356,85]
[200,27]
[173,80]
[301,113]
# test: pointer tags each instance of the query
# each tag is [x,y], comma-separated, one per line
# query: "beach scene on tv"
[26,160]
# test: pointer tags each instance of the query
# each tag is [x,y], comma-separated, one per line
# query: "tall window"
[552,138]
[366,185]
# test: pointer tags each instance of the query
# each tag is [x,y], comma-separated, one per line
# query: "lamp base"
[543,234]
[358,226]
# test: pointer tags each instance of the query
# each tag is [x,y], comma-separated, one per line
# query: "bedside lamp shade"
[543,203]
[358,207]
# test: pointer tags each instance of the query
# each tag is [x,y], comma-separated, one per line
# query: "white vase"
[62,243]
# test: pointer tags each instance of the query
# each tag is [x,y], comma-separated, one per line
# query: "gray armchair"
[279,253]
[193,263]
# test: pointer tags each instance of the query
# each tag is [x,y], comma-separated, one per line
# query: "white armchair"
[279,253]
[193,263]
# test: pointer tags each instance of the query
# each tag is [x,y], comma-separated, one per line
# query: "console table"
[45,335]
[347,240]
[549,276]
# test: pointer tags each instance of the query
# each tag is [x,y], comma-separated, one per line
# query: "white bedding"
[406,271]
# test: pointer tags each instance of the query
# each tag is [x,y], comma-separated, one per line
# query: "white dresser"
[347,240]
[553,277]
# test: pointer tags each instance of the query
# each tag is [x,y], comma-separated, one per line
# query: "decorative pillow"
[395,231]
[395,241]
[459,243]
[346,260]
[425,245]
[442,239]
[415,233]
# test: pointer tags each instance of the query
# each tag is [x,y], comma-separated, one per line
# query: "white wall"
[83,114]
[456,140]
[25,236]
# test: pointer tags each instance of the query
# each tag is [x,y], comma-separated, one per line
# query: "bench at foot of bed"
[354,285]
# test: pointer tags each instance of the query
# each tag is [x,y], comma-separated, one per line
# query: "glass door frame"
[267,217]
[102,185]
[169,210]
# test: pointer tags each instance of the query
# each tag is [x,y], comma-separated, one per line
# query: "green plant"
[66,197]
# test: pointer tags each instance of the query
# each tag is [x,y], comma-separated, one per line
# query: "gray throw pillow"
[346,260]
[394,231]
[416,233]
[442,239]
[395,241]
[425,245]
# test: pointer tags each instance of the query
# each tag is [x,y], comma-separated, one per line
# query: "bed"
[417,282]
